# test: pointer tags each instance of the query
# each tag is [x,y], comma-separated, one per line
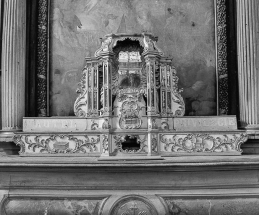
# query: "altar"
[129,105]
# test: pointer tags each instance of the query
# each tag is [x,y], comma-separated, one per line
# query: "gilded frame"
[42,66]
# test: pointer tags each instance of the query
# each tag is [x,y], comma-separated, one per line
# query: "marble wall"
[185,29]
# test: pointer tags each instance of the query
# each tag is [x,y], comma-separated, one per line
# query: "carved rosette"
[202,143]
[58,144]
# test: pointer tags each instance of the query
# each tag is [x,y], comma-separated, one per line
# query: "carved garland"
[42,60]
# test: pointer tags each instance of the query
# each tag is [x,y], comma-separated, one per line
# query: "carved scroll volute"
[80,105]
[177,102]
[106,46]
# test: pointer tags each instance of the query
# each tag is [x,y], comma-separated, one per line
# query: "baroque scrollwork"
[164,126]
[106,124]
[176,96]
[81,101]
[18,141]
[201,142]
[105,144]
[94,125]
[153,124]
[154,143]
[57,144]
[130,117]
[119,139]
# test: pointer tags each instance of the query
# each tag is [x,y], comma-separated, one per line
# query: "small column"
[107,94]
[92,78]
[13,65]
[248,64]
[163,89]
[152,100]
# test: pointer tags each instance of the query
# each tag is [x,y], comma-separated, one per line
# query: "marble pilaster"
[13,66]
[248,64]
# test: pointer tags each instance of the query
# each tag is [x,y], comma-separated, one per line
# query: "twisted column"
[13,65]
[248,63]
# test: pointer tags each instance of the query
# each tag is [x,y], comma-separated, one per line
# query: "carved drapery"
[248,54]
[13,64]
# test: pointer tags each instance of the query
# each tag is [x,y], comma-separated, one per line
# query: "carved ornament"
[201,142]
[61,144]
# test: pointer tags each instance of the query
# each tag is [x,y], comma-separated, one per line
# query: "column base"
[7,136]
[7,146]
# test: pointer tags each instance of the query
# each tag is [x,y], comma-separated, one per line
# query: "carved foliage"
[173,208]
[119,139]
[164,126]
[57,144]
[81,101]
[105,143]
[94,125]
[106,124]
[202,142]
[153,124]
[130,117]
[154,146]
[176,96]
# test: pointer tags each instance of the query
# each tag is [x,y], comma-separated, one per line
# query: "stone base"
[70,136]
[111,143]
[176,185]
